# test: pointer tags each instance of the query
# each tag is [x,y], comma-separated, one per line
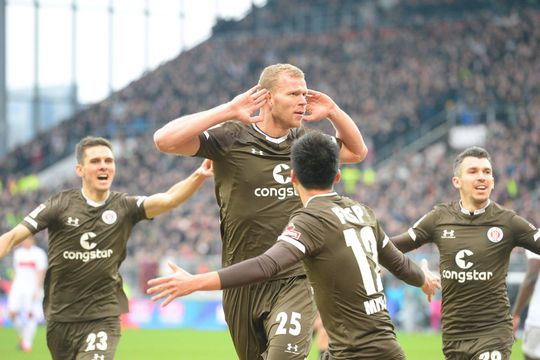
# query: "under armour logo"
[73,221]
[292,348]
[255,151]
[448,234]
[98,357]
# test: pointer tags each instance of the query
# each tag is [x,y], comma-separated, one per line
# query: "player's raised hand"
[431,282]
[319,106]
[171,286]
[246,104]
[206,169]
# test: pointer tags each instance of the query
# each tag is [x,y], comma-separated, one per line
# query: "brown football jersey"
[87,244]
[253,188]
[474,256]
[341,243]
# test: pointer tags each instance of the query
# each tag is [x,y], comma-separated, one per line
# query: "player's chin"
[296,122]
[103,185]
[481,198]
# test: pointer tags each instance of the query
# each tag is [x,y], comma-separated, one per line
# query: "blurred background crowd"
[409,72]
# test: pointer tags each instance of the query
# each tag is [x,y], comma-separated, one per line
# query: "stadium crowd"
[397,72]
[393,76]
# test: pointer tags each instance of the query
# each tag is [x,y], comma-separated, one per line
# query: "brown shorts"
[84,340]
[271,320]
[492,347]
[389,350]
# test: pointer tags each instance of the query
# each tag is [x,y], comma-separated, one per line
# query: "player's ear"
[338,177]
[270,99]
[456,182]
[294,178]
[78,170]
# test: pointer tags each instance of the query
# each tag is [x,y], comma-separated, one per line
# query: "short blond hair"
[271,74]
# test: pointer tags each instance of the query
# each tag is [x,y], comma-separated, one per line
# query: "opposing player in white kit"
[26,294]
[530,285]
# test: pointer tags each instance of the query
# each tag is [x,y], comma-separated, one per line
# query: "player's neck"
[472,206]
[97,197]
[271,128]
[306,194]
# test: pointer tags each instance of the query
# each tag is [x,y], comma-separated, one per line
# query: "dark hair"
[473,151]
[315,160]
[88,142]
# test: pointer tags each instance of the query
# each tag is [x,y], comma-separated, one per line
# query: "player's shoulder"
[359,208]
[236,127]
[228,129]
[440,213]
[119,199]
[342,208]
[295,133]
[497,214]
[440,210]
[503,215]
[65,198]
[446,206]
[116,196]
[315,208]
[67,193]
[499,209]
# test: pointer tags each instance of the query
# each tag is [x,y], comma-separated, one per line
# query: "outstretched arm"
[404,242]
[525,290]
[406,270]
[181,283]
[181,136]
[13,238]
[162,202]
[321,106]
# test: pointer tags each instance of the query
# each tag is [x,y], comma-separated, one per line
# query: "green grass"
[203,345]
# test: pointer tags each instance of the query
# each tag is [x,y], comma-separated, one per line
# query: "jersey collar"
[476,212]
[268,137]
[320,195]
[92,202]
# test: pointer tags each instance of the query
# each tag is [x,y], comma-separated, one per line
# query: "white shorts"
[531,341]
[23,299]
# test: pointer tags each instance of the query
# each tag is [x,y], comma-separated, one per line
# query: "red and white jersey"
[27,262]
[533,317]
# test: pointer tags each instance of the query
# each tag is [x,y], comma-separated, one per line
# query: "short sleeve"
[302,232]
[421,232]
[216,142]
[41,217]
